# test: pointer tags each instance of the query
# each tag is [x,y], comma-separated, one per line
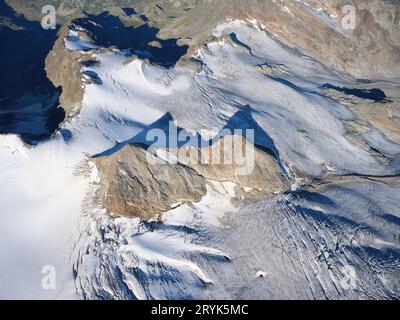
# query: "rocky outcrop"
[133,187]
[63,68]
[144,182]
[384,115]
[370,50]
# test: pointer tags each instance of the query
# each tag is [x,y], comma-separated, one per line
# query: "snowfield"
[335,240]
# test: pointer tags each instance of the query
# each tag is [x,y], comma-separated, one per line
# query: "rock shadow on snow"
[29,102]
[238,123]
[109,30]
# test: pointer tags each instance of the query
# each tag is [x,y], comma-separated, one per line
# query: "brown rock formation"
[63,68]
[137,183]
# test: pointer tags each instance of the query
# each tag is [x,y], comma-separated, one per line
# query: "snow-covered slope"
[332,240]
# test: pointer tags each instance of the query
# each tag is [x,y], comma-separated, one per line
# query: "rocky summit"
[140,182]
[198,149]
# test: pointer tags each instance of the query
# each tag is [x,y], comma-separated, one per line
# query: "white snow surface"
[217,247]
[75,42]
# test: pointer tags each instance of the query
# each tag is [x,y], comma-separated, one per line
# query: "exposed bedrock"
[142,183]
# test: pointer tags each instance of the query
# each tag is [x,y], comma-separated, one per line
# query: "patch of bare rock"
[137,182]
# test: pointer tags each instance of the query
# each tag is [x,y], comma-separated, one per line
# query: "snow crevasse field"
[340,240]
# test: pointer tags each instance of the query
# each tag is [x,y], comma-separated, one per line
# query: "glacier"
[335,235]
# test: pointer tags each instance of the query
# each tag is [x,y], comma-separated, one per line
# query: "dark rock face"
[370,94]
[28,100]
[108,30]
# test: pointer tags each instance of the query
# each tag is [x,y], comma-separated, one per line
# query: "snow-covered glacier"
[332,234]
